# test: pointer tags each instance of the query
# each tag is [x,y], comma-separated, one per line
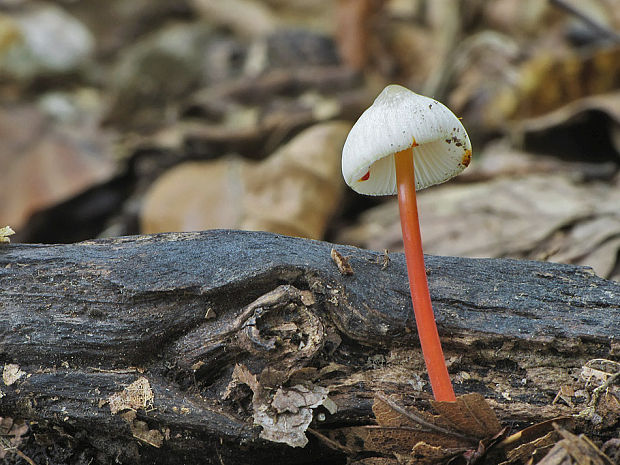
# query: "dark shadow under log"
[84,321]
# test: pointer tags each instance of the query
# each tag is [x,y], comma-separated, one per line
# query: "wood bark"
[84,321]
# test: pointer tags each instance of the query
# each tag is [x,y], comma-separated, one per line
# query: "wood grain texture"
[85,320]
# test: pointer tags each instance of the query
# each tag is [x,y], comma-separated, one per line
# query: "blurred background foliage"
[123,117]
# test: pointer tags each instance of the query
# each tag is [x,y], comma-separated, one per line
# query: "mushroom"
[400,130]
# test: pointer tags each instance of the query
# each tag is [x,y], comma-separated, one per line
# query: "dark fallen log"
[84,324]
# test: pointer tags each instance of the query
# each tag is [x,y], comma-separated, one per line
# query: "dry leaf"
[285,415]
[493,85]
[523,452]
[574,450]
[341,262]
[402,440]
[597,371]
[470,414]
[5,232]
[11,373]
[377,461]
[389,413]
[423,453]
[481,219]
[138,395]
[571,80]
[520,446]
[467,426]
[294,191]
[141,431]
[601,378]
[11,431]
[43,163]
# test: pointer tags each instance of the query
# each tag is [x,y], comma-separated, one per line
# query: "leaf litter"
[135,396]
[283,415]
[466,431]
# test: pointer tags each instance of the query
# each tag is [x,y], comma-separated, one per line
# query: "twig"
[331,443]
[6,445]
[413,417]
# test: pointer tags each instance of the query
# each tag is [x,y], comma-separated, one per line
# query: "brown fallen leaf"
[341,262]
[11,436]
[44,162]
[295,191]
[481,219]
[469,414]
[465,428]
[536,439]
[574,450]
[402,440]
[526,452]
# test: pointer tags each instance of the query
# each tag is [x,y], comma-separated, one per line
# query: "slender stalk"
[420,296]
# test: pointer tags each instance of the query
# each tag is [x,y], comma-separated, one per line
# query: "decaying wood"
[160,322]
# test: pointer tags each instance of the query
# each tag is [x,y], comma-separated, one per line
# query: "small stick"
[413,417]
[386,259]
[333,444]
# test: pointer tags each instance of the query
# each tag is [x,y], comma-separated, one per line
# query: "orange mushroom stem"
[416,270]
[399,126]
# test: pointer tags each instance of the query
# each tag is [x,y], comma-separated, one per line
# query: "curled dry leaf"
[523,452]
[533,440]
[485,95]
[577,223]
[285,415]
[341,262]
[574,450]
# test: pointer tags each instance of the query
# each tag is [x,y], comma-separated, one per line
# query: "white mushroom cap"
[399,119]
